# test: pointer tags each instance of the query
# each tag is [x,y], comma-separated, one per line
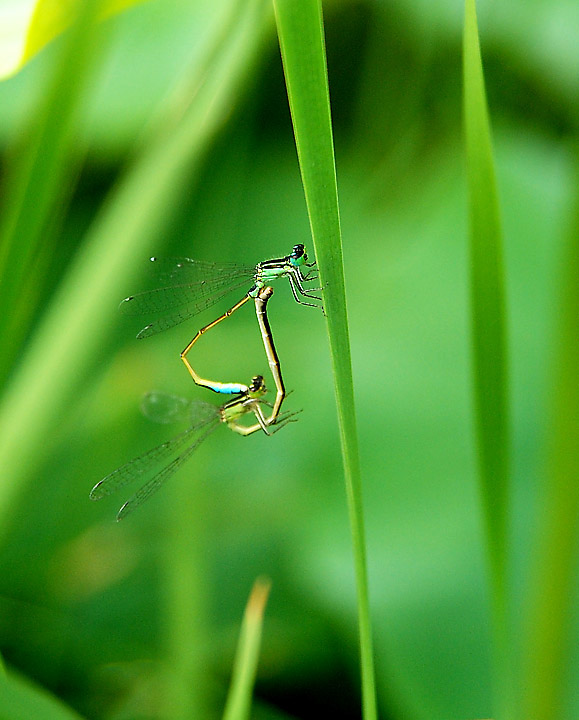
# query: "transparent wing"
[163,408]
[162,299]
[184,281]
[188,309]
[150,487]
[200,415]
[139,466]
[184,270]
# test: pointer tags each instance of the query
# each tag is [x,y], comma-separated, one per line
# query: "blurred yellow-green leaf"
[238,706]
[29,25]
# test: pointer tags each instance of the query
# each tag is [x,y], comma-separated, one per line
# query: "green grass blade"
[301,37]
[37,182]
[238,703]
[83,307]
[549,629]
[488,331]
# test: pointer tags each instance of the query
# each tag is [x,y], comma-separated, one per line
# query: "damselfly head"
[257,386]
[298,255]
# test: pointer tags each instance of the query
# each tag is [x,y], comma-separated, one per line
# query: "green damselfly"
[191,286]
[163,461]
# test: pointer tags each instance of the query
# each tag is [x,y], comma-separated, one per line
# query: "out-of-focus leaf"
[21,700]
[37,181]
[27,28]
[14,21]
[238,705]
[488,334]
[548,628]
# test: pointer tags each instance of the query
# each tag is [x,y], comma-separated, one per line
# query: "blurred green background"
[88,608]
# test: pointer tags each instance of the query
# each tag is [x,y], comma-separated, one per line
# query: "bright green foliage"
[39,175]
[301,37]
[52,17]
[549,628]
[488,326]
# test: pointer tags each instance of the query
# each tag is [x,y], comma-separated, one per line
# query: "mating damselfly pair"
[189,287]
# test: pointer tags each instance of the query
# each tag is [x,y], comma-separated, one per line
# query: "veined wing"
[184,270]
[186,289]
[188,308]
[201,414]
[139,466]
[150,487]
[162,407]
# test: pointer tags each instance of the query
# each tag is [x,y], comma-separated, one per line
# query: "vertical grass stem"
[301,37]
[489,342]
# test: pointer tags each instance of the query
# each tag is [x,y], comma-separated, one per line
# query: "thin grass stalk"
[238,705]
[301,37]
[489,343]
[549,628]
[59,355]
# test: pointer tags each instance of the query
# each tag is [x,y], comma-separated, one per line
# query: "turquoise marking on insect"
[192,286]
[163,461]
[290,267]
[226,388]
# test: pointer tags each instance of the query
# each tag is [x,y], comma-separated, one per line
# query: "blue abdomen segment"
[227,388]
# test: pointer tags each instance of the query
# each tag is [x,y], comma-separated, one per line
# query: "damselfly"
[191,286]
[163,461]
